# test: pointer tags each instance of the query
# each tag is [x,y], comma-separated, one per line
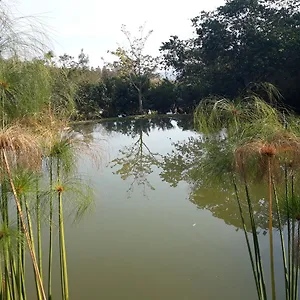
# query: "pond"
[153,234]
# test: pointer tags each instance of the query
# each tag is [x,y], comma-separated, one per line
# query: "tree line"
[234,47]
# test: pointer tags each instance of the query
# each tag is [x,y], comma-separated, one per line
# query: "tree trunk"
[140,102]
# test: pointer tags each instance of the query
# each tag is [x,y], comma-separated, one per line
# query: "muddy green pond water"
[152,234]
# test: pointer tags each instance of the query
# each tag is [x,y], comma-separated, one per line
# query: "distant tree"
[133,63]
[67,61]
[83,61]
[48,58]
[241,42]
[162,96]
[184,163]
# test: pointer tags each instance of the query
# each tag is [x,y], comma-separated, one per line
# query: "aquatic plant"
[263,141]
[20,147]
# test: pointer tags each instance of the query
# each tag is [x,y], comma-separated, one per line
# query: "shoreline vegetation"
[260,143]
[133,117]
[39,180]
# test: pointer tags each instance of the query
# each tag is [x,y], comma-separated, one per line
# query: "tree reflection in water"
[217,196]
[138,161]
[210,166]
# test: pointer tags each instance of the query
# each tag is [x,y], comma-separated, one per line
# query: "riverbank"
[133,117]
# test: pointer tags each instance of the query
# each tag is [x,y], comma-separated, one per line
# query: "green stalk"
[8,285]
[293,260]
[50,233]
[63,249]
[23,283]
[259,267]
[7,277]
[38,290]
[39,238]
[60,251]
[1,283]
[13,275]
[270,192]
[297,262]
[288,227]
[247,238]
[5,205]
[282,243]
[29,243]
[292,241]
[22,257]
[20,250]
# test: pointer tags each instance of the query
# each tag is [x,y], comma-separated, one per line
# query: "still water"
[151,234]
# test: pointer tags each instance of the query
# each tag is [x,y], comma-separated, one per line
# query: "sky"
[95,25]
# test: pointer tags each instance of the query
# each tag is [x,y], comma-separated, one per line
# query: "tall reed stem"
[286,273]
[38,221]
[247,238]
[270,194]
[292,241]
[29,243]
[287,204]
[259,267]
[63,259]
[38,290]
[63,249]
[297,261]
[50,232]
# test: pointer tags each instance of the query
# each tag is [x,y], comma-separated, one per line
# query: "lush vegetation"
[38,154]
[234,47]
[235,50]
[238,44]
[247,152]
[260,142]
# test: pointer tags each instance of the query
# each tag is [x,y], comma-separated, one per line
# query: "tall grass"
[36,100]
[22,154]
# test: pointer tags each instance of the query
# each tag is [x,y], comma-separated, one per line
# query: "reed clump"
[262,144]
[38,151]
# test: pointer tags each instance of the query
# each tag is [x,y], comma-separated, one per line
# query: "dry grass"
[282,147]
[54,134]
[21,147]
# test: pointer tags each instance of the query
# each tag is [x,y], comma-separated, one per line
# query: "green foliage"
[161,96]
[25,88]
[28,88]
[133,64]
[36,93]
[239,43]
[263,144]
[115,95]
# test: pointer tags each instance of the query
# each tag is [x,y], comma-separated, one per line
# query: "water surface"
[152,238]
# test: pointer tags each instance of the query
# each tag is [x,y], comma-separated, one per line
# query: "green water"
[146,239]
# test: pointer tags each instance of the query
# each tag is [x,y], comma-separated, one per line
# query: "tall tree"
[133,63]
[241,42]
